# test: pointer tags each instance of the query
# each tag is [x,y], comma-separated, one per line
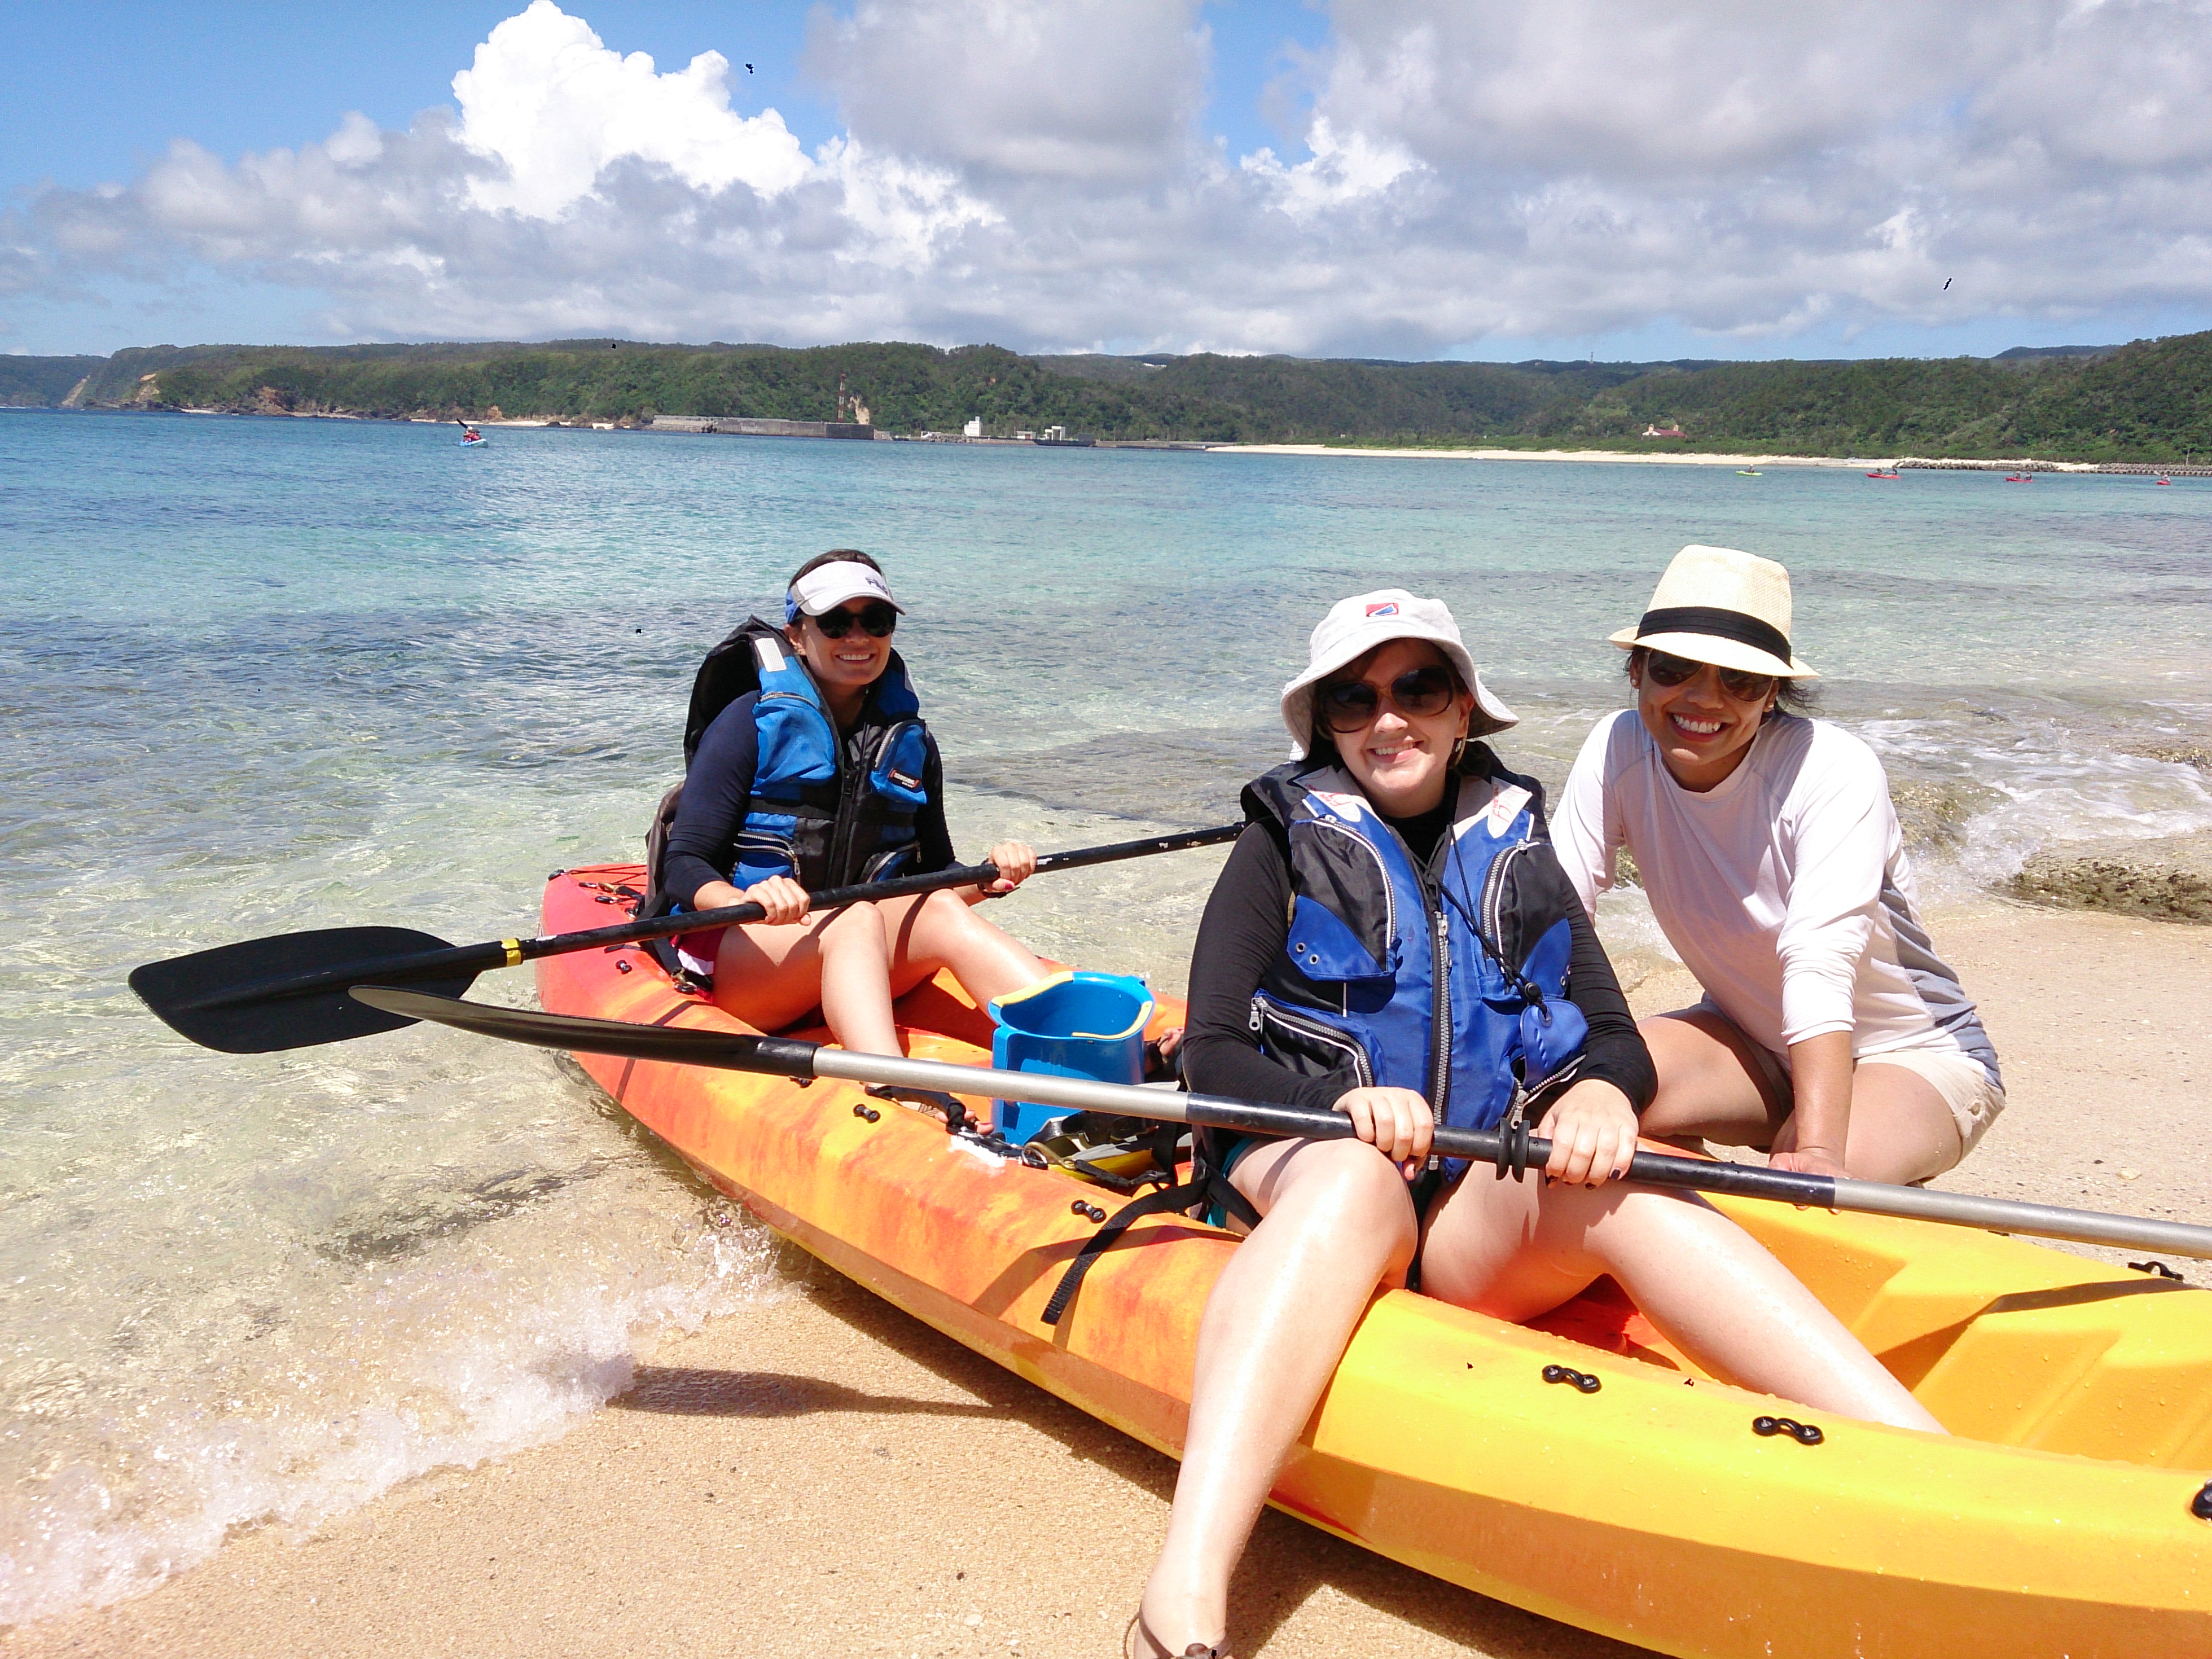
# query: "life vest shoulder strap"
[730,669]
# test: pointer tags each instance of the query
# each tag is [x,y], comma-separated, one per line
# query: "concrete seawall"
[746,425]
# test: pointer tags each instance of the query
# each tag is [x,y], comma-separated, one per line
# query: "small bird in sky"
[749,69]
[1947,281]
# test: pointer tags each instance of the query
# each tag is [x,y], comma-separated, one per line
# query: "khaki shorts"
[1956,1076]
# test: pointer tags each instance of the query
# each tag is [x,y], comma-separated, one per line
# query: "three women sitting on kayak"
[827,777]
[1830,1030]
[1393,937]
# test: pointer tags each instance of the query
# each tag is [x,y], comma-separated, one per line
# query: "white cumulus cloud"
[1341,170]
[1453,171]
[546,98]
[1088,92]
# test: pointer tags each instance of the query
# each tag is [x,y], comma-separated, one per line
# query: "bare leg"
[1516,1250]
[1337,1222]
[940,931]
[770,977]
[853,962]
[1901,1129]
[1713,1087]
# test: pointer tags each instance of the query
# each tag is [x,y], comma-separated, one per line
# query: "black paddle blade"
[727,1051]
[177,989]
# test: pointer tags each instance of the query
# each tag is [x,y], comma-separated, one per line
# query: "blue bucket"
[1072,1025]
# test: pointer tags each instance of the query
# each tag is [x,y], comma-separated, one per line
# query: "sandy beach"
[1888,462]
[822,1474]
[1552,455]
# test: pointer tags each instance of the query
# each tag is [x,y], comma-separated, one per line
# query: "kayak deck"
[2056,1520]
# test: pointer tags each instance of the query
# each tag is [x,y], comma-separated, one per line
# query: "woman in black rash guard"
[1395,870]
[827,776]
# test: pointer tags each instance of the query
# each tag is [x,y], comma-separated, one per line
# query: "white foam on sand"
[475,1348]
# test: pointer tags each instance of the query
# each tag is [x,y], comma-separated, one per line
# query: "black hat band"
[1720,624]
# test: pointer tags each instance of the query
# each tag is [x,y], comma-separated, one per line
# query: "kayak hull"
[1648,1510]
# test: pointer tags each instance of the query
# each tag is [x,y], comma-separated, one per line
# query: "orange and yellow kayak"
[2070,1513]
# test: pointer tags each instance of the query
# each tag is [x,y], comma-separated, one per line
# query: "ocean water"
[262,675]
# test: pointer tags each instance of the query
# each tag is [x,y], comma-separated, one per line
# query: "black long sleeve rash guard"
[1246,923]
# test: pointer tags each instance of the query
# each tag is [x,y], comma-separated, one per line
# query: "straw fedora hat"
[1717,605]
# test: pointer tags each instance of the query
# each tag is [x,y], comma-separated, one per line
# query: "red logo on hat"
[1388,608]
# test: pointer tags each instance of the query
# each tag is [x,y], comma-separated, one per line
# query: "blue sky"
[1442,178]
[95,89]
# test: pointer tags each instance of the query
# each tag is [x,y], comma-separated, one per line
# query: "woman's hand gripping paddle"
[787,1057]
[288,991]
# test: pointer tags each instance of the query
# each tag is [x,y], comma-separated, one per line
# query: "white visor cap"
[1358,625]
[827,586]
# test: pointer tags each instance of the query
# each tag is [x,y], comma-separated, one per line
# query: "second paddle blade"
[179,989]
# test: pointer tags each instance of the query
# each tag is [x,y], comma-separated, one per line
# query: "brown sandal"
[1139,1631]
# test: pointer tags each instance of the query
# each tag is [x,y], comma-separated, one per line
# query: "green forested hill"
[36,381]
[2151,401]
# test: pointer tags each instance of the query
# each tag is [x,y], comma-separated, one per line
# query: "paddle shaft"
[514,952]
[1483,1146]
[787,1057]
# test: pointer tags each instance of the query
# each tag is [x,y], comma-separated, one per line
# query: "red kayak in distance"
[1884,475]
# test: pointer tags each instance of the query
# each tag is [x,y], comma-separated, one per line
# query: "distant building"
[1055,434]
[1664,432]
[973,428]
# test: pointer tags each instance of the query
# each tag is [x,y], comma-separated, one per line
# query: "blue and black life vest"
[830,809]
[1449,979]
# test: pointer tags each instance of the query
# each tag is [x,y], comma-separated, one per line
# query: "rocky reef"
[2167,880]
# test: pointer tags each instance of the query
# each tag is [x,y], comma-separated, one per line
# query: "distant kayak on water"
[1878,473]
[2019,477]
[470,438]
[1749,473]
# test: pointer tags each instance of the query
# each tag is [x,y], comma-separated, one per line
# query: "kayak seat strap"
[1157,1202]
[1204,1187]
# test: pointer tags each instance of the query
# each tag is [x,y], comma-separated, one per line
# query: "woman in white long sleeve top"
[1829,1032]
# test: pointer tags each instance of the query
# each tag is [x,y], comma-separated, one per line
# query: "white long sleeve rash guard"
[1785,888]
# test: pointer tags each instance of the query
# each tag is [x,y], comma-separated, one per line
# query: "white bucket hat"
[1356,626]
[1717,605]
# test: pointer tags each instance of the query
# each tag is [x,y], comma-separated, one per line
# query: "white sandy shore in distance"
[828,1476]
[1544,455]
[1673,459]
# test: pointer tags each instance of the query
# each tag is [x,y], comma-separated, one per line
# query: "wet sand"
[823,1475]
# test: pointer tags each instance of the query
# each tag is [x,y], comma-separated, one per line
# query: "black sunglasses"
[1671,672]
[875,617]
[1418,693]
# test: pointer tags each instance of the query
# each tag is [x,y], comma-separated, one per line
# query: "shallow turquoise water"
[268,674]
